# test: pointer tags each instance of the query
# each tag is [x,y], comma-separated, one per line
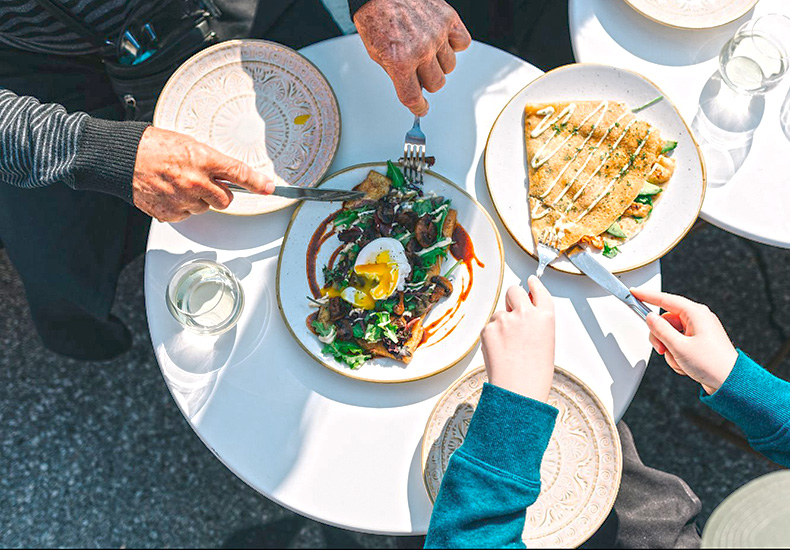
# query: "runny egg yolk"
[380,280]
[381,276]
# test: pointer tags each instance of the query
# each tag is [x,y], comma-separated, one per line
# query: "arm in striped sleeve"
[41,144]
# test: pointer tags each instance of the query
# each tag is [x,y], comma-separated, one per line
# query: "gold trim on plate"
[239,42]
[344,372]
[661,92]
[612,426]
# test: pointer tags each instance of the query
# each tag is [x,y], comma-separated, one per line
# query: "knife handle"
[638,306]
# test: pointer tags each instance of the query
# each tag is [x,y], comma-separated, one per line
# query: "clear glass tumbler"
[755,59]
[205,297]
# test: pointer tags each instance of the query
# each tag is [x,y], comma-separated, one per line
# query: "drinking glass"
[755,59]
[205,297]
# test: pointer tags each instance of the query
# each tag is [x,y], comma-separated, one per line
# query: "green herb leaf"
[644,199]
[358,331]
[669,146]
[345,218]
[610,251]
[422,207]
[648,104]
[394,173]
[347,352]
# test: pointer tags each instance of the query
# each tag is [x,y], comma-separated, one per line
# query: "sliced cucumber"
[668,147]
[650,189]
[616,231]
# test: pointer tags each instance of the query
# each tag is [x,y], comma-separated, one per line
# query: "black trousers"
[70,246]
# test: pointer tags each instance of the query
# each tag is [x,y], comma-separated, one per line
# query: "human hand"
[518,344]
[415,42]
[176,176]
[690,337]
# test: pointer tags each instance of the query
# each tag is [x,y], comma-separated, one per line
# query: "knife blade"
[307,193]
[591,267]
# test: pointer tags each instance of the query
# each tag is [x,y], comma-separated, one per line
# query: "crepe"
[588,161]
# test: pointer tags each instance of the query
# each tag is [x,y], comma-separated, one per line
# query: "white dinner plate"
[457,332]
[581,469]
[692,14]
[506,160]
[259,102]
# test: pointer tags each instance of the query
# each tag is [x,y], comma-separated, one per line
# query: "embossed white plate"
[692,14]
[457,319]
[581,470]
[506,161]
[259,102]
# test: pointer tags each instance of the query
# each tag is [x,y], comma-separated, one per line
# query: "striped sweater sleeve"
[42,144]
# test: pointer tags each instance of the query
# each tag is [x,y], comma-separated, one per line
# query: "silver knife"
[588,265]
[306,193]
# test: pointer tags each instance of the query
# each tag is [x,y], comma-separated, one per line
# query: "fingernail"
[269,189]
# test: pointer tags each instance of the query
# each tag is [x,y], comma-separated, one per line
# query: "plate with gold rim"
[456,320]
[259,102]
[506,167]
[580,472]
[697,14]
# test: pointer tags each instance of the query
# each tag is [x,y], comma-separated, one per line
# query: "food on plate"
[387,272]
[595,172]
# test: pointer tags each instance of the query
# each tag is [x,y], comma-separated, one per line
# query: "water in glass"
[755,59]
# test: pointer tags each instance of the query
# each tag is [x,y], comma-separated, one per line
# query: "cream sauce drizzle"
[602,106]
[623,170]
[562,118]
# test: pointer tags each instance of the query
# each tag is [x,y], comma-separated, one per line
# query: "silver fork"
[547,249]
[414,153]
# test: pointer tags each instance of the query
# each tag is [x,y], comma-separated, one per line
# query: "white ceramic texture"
[453,339]
[506,161]
[743,139]
[260,103]
[692,14]
[755,516]
[580,472]
[338,450]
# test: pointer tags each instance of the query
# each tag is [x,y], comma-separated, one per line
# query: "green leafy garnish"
[345,218]
[669,146]
[358,331]
[422,207]
[644,199]
[610,251]
[347,352]
[648,104]
[394,173]
[453,268]
[321,328]
[431,257]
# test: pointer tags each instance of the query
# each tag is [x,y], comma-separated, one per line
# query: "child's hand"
[518,344]
[691,338]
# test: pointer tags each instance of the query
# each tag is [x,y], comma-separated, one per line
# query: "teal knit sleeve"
[759,403]
[494,476]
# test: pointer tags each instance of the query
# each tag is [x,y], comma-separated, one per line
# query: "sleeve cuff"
[753,398]
[106,156]
[510,432]
[354,5]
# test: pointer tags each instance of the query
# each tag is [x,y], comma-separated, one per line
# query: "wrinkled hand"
[415,42]
[176,176]
[518,344]
[691,338]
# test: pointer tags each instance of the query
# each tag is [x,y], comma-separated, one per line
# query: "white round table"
[341,451]
[745,141]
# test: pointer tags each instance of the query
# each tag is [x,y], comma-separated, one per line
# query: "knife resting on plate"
[587,264]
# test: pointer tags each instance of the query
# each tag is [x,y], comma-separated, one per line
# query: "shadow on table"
[665,45]
[226,232]
[724,127]
[191,363]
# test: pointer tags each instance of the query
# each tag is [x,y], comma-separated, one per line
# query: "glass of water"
[205,297]
[755,59]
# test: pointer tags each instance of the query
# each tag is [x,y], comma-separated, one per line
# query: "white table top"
[338,450]
[744,143]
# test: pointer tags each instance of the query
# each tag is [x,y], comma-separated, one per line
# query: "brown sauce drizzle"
[316,241]
[462,250]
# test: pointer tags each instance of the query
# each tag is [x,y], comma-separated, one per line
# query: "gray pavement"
[97,454]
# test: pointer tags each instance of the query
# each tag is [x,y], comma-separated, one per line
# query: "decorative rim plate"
[754,516]
[581,470]
[262,103]
[458,321]
[698,14]
[506,162]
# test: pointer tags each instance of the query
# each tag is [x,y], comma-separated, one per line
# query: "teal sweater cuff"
[510,432]
[752,398]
